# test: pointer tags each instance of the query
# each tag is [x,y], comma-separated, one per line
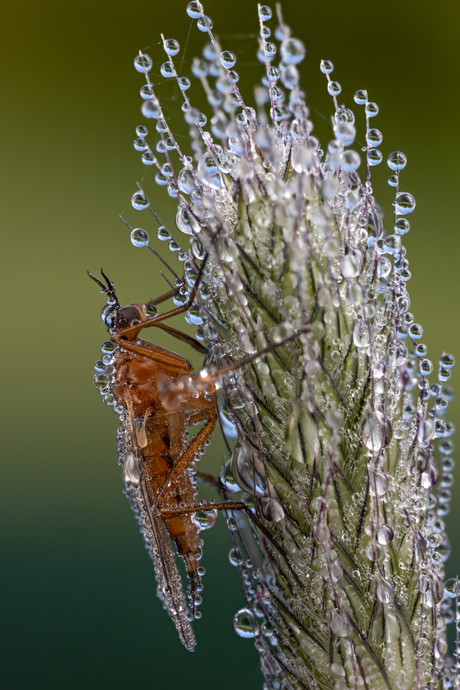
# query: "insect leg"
[236,505]
[185,460]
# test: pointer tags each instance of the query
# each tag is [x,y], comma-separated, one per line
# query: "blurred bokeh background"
[78,595]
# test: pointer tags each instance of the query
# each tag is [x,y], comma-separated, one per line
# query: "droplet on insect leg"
[142,440]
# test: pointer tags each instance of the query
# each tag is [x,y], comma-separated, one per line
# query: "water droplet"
[402,226]
[265,13]
[378,481]
[452,588]
[140,144]
[186,222]
[339,626]
[351,161]
[345,132]
[375,552]
[270,49]
[167,70]
[163,234]
[334,88]
[171,46]
[404,204]
[426,431]
[373,432]
[205,519]
[374,137]
[143,63]
[426,367]
[360,97]
[245,623]
[385,535]
[227,59]
[292,51]
[100,381]
[139,201]
[208,171]
[139,237]
[393,180]
[235,556]
[350,268]
[447,361]
[205,23]
[151,109]
[371,109]
[415,331]
[194,9]
[247,469]
[361,334]
[142,131]
[385,591]
[131,469]
[396,161]
[326,66]
[374,157]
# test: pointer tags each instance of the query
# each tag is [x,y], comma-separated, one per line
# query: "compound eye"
[125,316]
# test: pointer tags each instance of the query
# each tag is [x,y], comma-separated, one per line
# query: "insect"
[158,398]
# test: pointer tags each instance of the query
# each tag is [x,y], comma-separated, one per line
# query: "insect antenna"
[108,289]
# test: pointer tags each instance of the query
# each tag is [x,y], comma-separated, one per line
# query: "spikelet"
[341,434]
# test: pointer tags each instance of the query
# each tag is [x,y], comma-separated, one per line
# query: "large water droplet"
[385,591]
[245,623]
[248,470]
[143,63]
[205,519]
[404,203]
[171,46]
[227,59]
[396,161]
[139,237]
[205,23]
[208,171]
[131,469]
[139,201]
[351,161]
[360,97]
[452,588]
[151,109]
[186,222]
[326,66]
[334,88]
[345,132]
[265,13]
[292,51]
[194,9]
[378,481]
[361,334]
[426,431]
[186,181]
[373,432]
[167,70]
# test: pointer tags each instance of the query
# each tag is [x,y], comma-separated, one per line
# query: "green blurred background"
[78,596]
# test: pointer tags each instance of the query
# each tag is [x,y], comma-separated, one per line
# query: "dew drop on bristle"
[139,237]
[245,624]
[143,63]
[140,202]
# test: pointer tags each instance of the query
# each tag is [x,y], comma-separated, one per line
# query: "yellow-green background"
[78,598]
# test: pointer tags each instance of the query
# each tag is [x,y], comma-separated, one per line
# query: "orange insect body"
[158,399]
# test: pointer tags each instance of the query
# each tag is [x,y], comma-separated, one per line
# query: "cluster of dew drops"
[189,181]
